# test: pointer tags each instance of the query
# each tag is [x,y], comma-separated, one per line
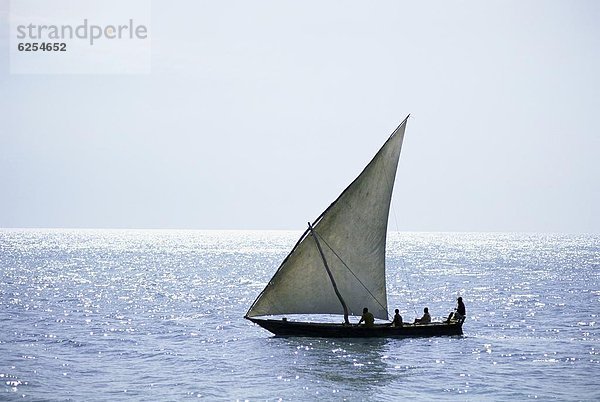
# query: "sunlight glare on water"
[158,315]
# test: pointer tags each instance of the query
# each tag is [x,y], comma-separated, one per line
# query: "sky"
[257,114]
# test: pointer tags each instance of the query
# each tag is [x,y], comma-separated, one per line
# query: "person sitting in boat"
[460,312]
[426,319]
[397,321]
[367,317]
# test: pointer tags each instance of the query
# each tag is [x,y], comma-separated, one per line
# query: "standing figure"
[460,312]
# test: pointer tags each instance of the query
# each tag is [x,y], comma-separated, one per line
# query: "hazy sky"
[258,113]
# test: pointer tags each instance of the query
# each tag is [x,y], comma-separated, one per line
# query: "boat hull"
[331,330]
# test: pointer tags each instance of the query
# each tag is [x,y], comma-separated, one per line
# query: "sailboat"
[337,267]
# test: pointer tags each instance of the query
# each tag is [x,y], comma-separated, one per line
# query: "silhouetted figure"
[460,308]
[426,319]
[367,317]
[397,321]
[460,312]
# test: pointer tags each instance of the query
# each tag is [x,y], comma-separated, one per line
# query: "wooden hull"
[331,330]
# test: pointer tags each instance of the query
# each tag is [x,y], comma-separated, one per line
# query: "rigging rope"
[357,278]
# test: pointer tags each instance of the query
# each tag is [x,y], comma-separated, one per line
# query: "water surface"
[107,315]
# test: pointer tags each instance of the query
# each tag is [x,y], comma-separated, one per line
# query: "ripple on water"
[120,315]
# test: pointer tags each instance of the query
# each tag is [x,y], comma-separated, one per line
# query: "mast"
[335,288]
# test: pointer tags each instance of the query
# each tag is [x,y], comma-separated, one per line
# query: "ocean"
[109,315]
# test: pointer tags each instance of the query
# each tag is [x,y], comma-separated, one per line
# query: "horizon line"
[2,228]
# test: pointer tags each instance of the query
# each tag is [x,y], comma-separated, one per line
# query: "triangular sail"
[352,232]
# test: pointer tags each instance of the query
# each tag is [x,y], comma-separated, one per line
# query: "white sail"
[352,233]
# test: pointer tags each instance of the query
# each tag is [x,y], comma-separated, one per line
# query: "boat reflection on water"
[360,363]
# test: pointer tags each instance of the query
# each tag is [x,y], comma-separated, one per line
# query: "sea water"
[105,315]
